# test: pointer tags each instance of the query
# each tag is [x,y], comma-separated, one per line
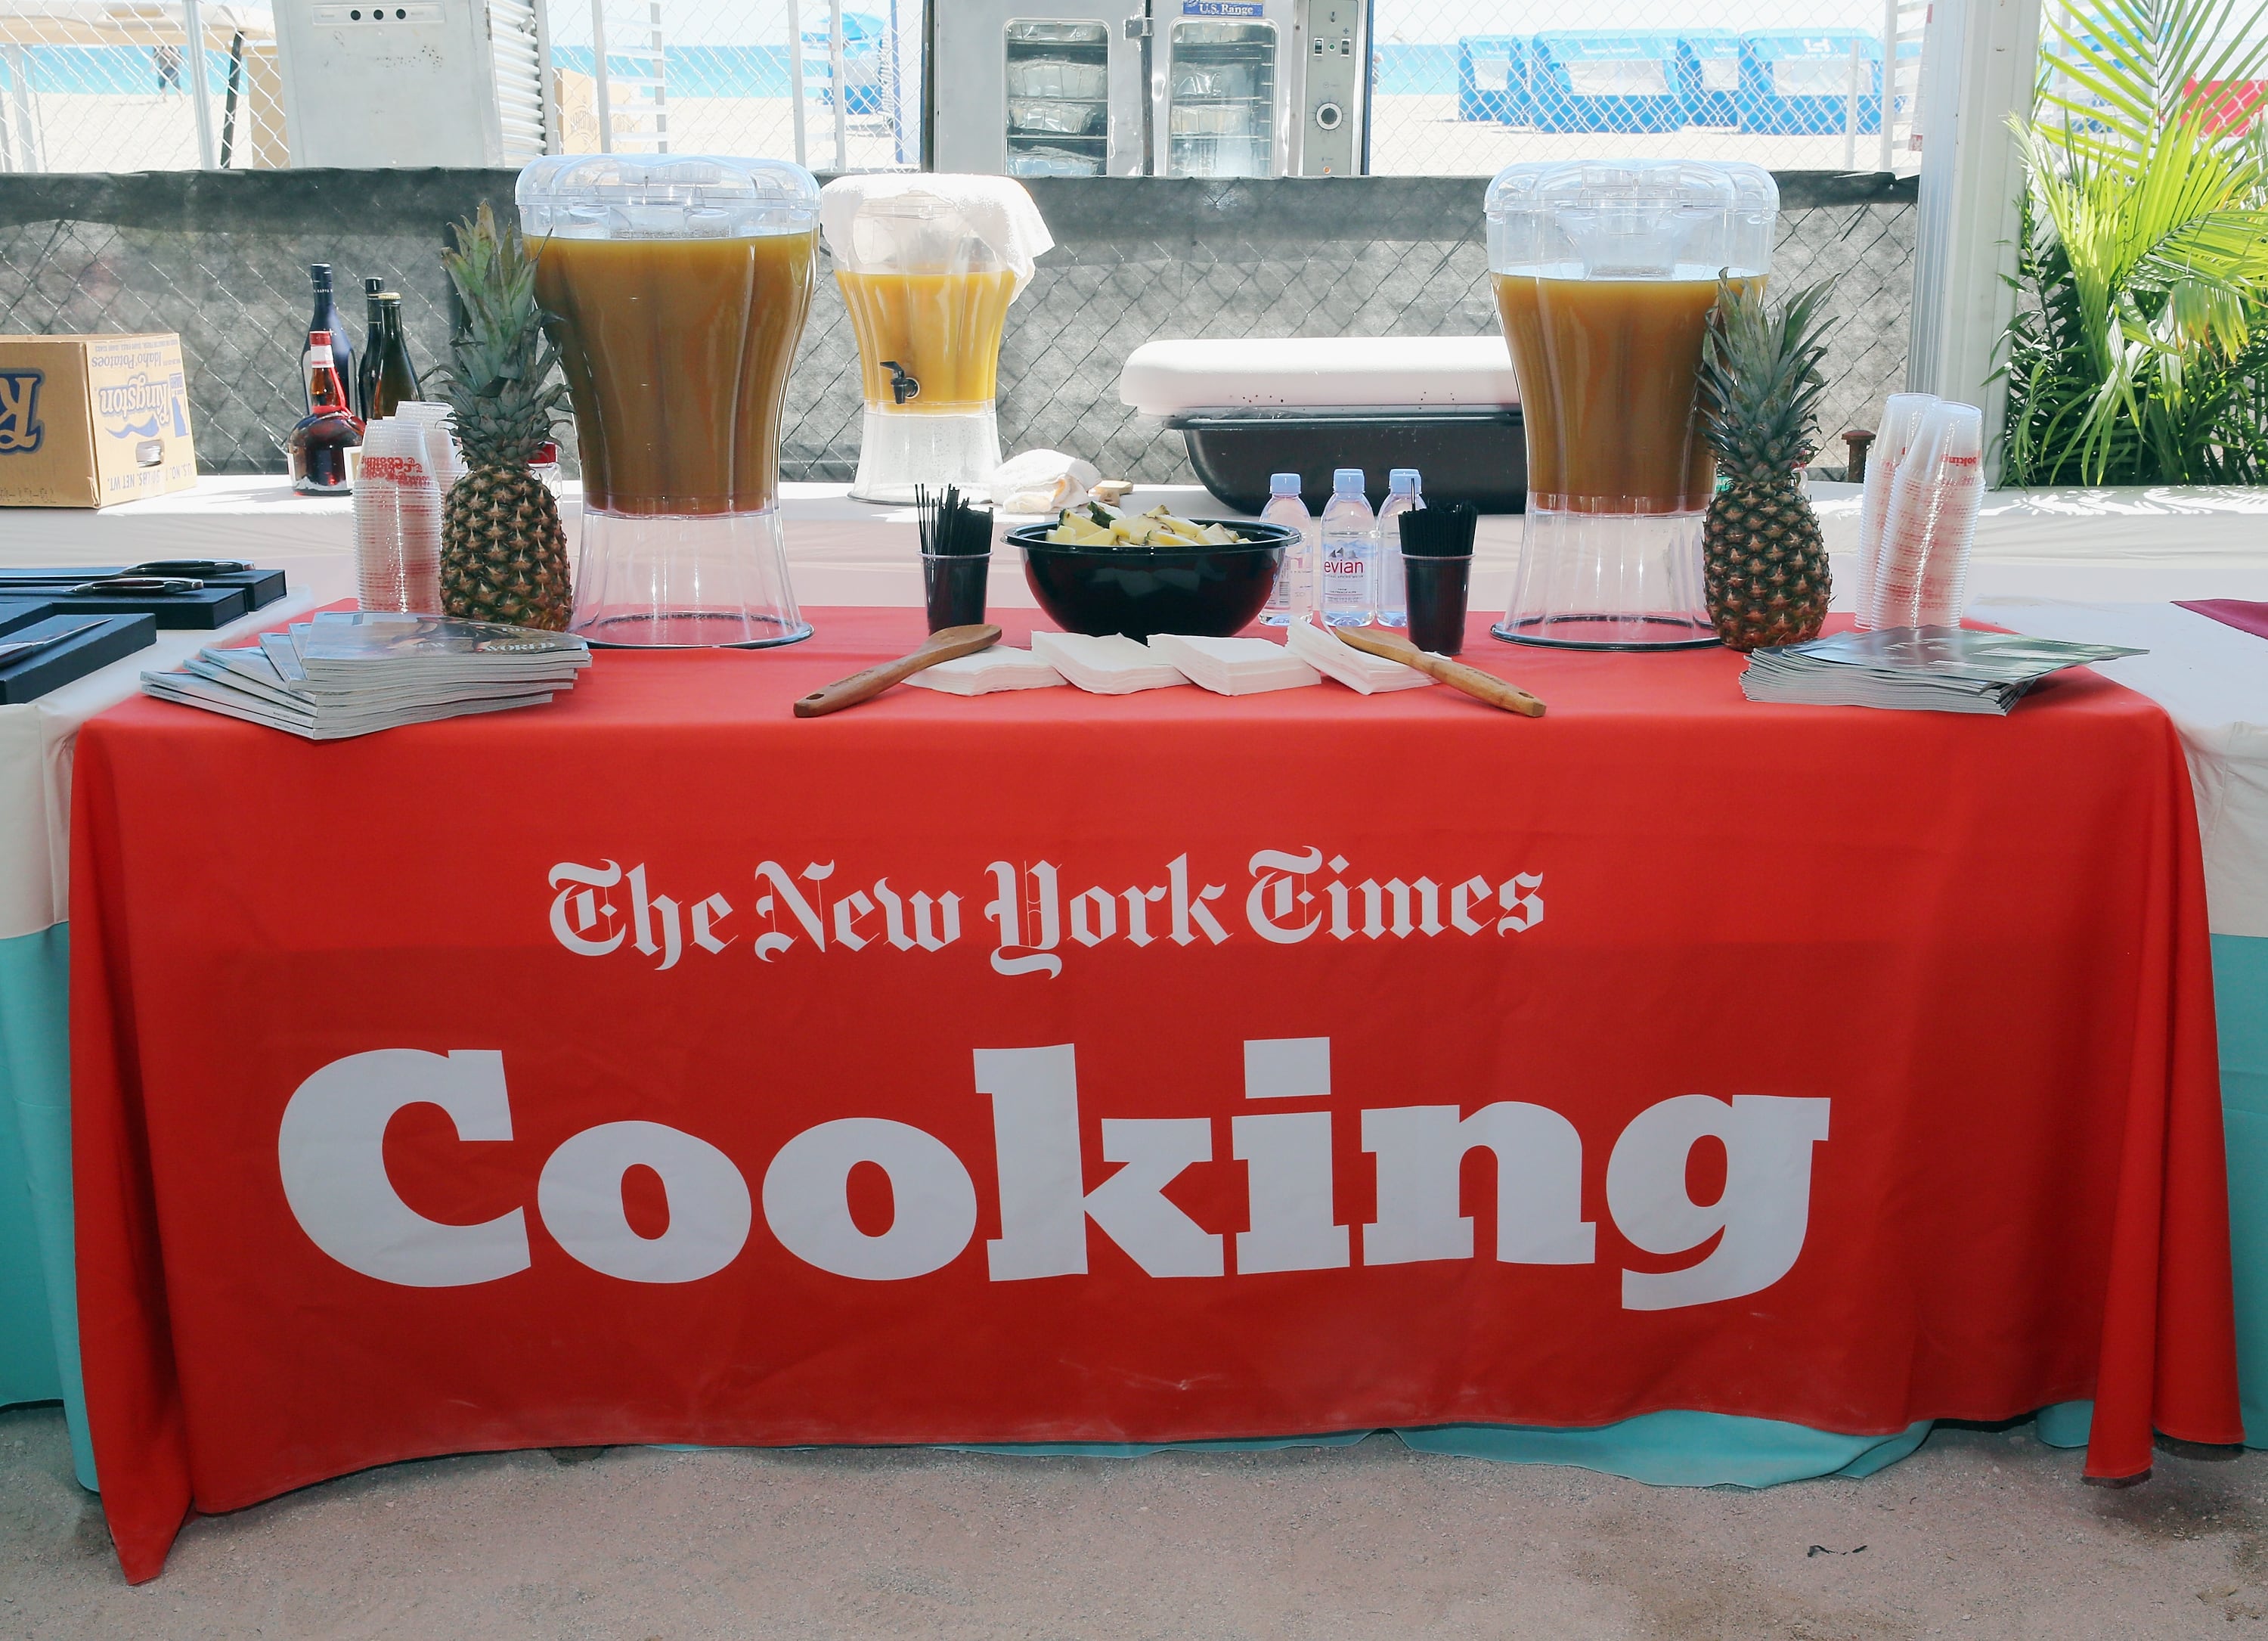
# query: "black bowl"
[1206,592]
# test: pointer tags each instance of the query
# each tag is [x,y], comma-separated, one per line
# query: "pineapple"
[504,554]
[1764,563]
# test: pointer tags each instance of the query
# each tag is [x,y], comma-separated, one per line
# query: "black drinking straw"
[1443,532]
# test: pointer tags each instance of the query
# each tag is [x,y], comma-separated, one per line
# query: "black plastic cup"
[953,583]
[1436,601]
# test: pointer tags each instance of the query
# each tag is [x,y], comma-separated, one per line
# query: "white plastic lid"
[925,222]
[1161,377]
[1631,220]
[664,196]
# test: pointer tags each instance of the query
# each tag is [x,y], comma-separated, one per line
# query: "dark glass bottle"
[318,447]
[327,321]
[387,376]
[366,361]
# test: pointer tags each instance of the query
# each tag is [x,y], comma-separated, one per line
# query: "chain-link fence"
[1457,87]
[222,261]
[1464,87]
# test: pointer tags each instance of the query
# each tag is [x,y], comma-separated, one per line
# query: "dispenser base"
[1622,632]
[899,449]
[1606,576]
[710,580]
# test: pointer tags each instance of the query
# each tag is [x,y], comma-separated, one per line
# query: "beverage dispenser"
[928,265]
[676,288]
[1605,274]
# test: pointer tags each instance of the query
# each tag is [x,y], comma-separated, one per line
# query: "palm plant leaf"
[2143,265]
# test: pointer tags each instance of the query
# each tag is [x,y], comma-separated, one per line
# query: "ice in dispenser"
[928,264]
[1605,274]
[677,286]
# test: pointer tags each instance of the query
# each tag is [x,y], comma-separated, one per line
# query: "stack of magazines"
[348,673]
[1938,669]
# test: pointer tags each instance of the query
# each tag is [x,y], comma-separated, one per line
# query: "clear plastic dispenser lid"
[1631,220]
[664,196]
[932,223]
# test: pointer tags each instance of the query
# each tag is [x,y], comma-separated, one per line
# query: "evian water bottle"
[1391,584]
[1293,595]
[397,512]
[1350,538]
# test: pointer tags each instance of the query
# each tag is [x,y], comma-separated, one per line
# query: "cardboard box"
[87,421]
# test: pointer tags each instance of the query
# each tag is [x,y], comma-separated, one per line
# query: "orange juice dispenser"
[928,265]
[1605,273]
[675,287]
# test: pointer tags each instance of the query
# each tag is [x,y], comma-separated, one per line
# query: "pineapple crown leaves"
[1760,378]
[499,378]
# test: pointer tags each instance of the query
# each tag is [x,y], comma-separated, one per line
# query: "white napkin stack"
[1115,665]
[998,667]
[1233,666]
[1369,674]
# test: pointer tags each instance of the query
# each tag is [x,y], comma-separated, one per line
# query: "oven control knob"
[1329,115]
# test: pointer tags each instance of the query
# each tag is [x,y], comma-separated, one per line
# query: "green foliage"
[498,378]
[2140,350]
[1761,381]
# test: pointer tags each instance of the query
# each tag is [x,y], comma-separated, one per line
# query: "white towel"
[1114,665]
[998,667]
[1233,666]
[1369,674]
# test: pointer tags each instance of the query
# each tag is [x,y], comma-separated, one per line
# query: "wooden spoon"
[1482,686]
[943,645]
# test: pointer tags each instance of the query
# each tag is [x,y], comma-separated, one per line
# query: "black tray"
[1470,452]
[210,607]
[262,588]
[42,670]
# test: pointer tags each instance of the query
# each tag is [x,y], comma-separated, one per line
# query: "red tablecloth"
[621,1071]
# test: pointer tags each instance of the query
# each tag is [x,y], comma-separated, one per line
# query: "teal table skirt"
[38,1348]
[39,1295]
[2239,1000]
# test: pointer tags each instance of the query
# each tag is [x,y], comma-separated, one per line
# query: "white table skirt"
[2212,681]
[37,739]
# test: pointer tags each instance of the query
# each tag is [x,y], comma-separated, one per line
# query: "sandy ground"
[1982,1533]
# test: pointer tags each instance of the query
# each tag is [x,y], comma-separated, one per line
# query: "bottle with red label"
[317,449]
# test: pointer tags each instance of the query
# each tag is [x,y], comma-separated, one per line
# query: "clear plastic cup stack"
[397,515]
[1929,523]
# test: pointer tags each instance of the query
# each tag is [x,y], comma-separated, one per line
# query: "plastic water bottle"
[1402,496]
[1293,594]
[1350,544]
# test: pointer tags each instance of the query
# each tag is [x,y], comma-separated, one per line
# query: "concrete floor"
[1981,1533]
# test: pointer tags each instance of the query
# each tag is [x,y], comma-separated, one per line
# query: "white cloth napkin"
[1233,666]
[1041,482]
[998,667]
[920,222]
[1369,674]
[1115,665]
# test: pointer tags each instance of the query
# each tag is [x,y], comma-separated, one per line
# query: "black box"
[113,638]
[16,612]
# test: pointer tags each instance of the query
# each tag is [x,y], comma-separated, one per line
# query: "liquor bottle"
[317,449]
[387,376]
[327,321]
[366,362]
